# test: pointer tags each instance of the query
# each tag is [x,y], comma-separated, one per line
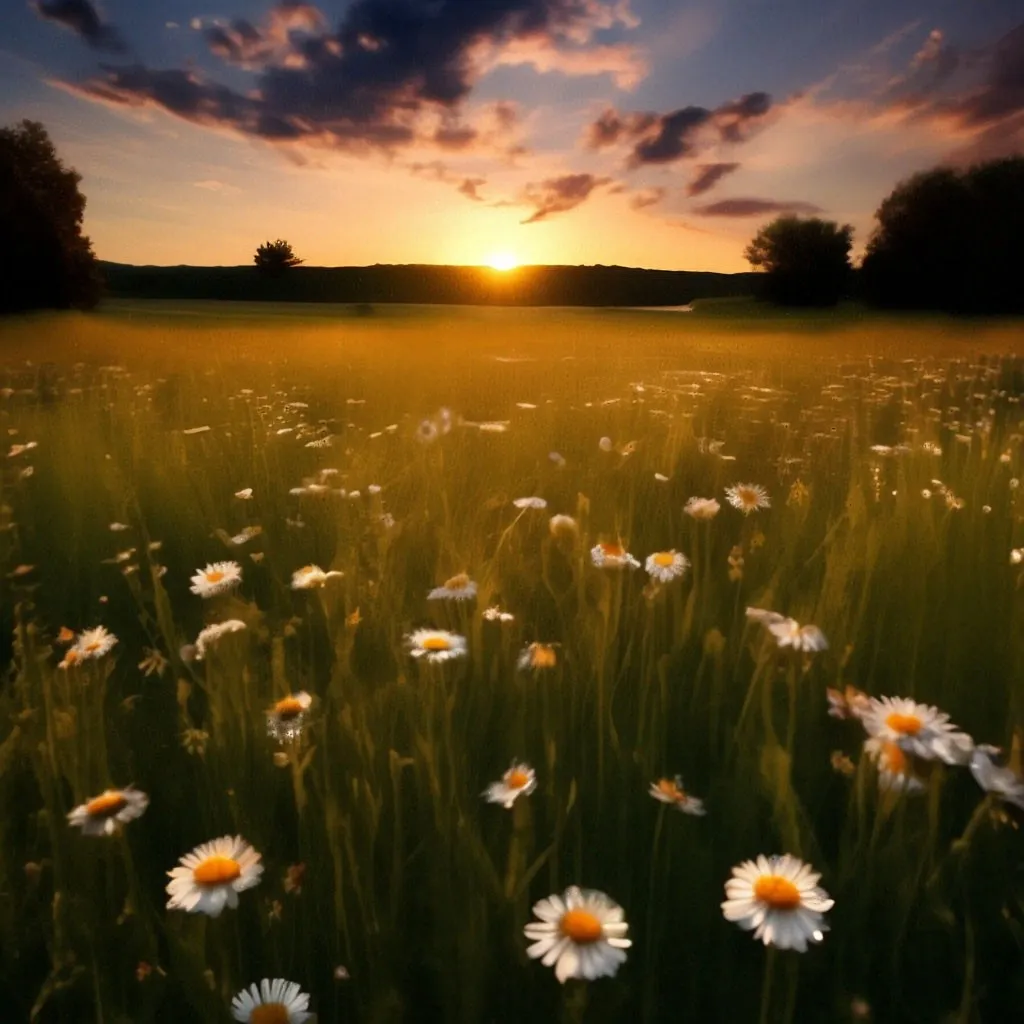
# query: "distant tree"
[274,258]
[951,240]
[806,262]
[49,262]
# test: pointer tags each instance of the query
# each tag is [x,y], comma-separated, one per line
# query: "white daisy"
[495,614]
[764,617]
[666,566]
[1004,782]
[920,729]
[848,703]
[458,588]
[274,1001]
[582,933]
[670,791]
[312,576]
[245,494]
[537,656]
[530,503]
[748,497]
[287,718]
[212,633]
[436,645]
[789,633]
[564,528]
[216,578]
[608,555]
[212,875]
[778,898]
[101,815]
[519,780]
[93,643]
[895,766]
[702,508]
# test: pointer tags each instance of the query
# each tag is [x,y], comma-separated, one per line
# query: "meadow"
[148,443]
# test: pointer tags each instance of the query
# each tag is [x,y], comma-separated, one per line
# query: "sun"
[502,261]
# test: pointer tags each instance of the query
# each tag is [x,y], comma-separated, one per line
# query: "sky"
[648,133]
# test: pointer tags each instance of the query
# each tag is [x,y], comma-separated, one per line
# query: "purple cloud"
[755,208]
[707,176]
[82,18]
[559,195]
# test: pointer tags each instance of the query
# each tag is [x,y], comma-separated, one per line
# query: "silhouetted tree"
[274,258]
[49,262]
[806,262]
[951,240]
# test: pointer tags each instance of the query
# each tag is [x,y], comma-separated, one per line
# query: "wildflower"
[458,588]
[153,662]
[666,566]
[748,497]
[778,898]
[519,780]
[1004,782]
[895,766]
[670,791]
[427,432]
[210,877]
[919,729]
[609,555]
[848,703]
[212,633]
[312,576]
[702,508]
[582,933]
[94,643]
[118,527]
[564,528]
[436,645]
[736,564]
[194,741]
[605,444]
[101,815]
[841,763]
[245,536]
[293,878]
[245,494]
[661,478]
[495,427]
[274,1001]
[799,492]
[287,718]
[216,578]
[537,656]
[196,430]
[557,459]
[495,614]
[1016,556]
[789,633]
[530,503]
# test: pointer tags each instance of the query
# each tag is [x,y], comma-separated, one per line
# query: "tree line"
[944,239]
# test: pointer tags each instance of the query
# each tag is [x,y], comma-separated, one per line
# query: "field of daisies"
[491,666]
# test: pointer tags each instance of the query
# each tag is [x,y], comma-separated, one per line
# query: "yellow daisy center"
[668,788]
[894,759]
[612,550]
[216,871]
[94,646]
[778,892]
[269,1013]
[542,656]
[665,559]
[106,806]
[581,926]
[214,577]
[747,496]
[459,582]
[436,643]
[289,707]
[516,779]
[909,725]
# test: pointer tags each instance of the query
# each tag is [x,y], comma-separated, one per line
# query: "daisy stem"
[765,1016]
[650,1007]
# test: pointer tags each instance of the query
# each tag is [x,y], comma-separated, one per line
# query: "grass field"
[391,448]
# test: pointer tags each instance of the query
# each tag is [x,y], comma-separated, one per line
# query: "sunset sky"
[652,133]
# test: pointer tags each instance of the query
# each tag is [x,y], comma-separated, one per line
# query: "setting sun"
[502,261]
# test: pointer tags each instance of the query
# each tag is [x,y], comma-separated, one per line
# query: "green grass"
[412,882]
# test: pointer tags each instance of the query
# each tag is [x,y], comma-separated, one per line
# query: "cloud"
[392,73]
[469,188]
[647,197]
[213,185]
[625,63]
[665,138]
[559,195]
[84,20]
[707,176]
[755,208]
[1002,92]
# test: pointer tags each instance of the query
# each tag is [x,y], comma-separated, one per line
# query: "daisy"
[582,933]
[564,528]
[895,766]
[311,576]
[666,566]
[436,645]
[245,494]
[211,634]
[519,780]
[1004,782]
[670,791]
[94,643]
[272,1002]
[216,578]
[702,508]
[458,588]
[530,503]
[848,703]
[212,875]
[778,898]
[919,729]
[287,718]
[607,555]
[495,614]
[537,656]
[748,497]
[101,815]
[789,633]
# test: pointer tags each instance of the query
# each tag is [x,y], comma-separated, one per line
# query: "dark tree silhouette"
[274,258]
[806,262]
[951,240]
[49,262]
